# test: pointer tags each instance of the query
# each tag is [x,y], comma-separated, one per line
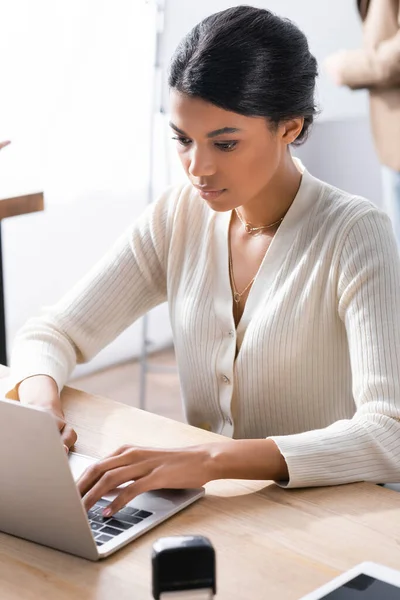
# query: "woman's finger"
[4,144]
[145,484]
[108,482]
[68,436]
[118,459]
[95,472]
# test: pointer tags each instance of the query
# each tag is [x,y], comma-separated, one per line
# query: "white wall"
[75,101]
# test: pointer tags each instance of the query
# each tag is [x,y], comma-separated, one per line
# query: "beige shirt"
[318,362]
[376,66]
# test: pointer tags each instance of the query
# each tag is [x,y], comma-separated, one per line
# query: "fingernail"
[106,512]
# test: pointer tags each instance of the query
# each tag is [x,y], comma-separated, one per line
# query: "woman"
[283,290]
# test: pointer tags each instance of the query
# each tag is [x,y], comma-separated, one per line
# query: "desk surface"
[270,543]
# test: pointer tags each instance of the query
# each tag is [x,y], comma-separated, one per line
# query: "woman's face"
[230,158]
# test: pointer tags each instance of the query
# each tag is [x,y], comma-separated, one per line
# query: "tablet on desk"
[366,581]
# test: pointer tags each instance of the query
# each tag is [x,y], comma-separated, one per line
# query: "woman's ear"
[291,130]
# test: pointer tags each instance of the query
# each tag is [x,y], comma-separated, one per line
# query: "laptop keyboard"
[105,529]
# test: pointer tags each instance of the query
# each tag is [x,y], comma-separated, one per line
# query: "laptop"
[40,502]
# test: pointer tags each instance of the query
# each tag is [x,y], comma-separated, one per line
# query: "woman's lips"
[210,195]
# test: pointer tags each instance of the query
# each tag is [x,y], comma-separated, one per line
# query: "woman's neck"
[275,200]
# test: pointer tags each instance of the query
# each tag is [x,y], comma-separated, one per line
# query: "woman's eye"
[226,146]
[223,146]
[183,141]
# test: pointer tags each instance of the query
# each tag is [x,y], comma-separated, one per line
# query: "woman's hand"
[68,434]
[147,469]
[152,469]
[42,392]
[334,64]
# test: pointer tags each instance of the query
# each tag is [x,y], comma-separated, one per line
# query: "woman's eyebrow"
[209,135]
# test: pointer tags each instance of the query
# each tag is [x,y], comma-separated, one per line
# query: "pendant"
[248,228]
[236,297]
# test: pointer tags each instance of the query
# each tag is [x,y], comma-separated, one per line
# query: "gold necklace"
[236,295]
[248,227]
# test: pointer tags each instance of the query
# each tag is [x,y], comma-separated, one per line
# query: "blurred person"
[376,67]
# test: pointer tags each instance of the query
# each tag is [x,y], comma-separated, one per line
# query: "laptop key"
[129,510]
[102,503]
[99,543]
[110,530]
[103,538]
[119,524]
[95,526]
[129,519]
[100,519]
[143,514]
[122,515]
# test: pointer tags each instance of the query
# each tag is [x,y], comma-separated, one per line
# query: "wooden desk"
[11,207]
[270,543]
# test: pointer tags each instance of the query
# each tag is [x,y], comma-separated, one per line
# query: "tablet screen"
[364,587]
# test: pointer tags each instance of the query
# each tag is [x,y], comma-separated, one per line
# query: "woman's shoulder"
[340,199]
[348,221]
[343,209]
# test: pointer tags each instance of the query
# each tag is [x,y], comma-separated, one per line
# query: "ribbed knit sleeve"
[127,282]
[367,446]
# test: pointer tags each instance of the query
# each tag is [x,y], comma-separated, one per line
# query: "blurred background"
[78,101]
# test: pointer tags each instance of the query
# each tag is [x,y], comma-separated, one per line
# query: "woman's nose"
[201,165]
